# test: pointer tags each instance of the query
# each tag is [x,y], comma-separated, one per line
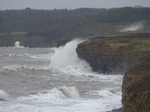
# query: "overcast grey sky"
[69,4]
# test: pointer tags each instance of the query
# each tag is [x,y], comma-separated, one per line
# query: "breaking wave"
[3,95]
[70,92]
[17,44]
[55,93]
[66,56]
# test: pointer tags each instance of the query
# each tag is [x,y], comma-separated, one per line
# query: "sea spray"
[66,56]
[133,27]
[17,44]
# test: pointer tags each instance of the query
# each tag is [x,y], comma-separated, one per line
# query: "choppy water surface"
[54,80]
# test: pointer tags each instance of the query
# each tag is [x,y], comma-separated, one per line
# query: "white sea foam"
[97,91]
[37,56]
[66,55]
[63,102]
[17,107]
[70,92]
[17,44]
[15,55]
[25,67]
[42,56]
[109,97]
[55,93]
[3,95]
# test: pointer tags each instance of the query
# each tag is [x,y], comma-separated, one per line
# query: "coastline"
[117,110]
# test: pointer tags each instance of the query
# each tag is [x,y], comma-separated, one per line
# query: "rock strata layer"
[136,87]
[109,58]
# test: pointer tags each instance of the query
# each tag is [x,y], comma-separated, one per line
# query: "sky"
[70,4]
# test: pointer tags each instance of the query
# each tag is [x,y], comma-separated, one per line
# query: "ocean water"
[54,80]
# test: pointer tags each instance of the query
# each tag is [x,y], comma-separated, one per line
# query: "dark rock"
[109,58]
[136,87]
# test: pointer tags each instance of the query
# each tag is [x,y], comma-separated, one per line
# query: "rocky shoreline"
[129,56]
[112,55]
[117,110]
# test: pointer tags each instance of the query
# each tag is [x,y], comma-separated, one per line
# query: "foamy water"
[17,44]
[54,80]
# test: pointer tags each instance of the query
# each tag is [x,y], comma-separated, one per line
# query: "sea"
[54,80]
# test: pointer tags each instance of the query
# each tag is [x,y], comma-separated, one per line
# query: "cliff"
[117,55]
[112,55]
[136,87]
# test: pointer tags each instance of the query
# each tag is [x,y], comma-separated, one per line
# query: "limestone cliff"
[109,58]
[112,55]
[136,87]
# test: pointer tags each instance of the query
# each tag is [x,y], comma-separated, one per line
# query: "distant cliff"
[136,87]
[41,28]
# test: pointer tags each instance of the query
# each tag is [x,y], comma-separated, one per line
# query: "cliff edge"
[113,55]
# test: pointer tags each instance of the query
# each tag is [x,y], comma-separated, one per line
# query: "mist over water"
[54,80]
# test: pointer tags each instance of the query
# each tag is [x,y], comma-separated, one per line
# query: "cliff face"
[112,55]
[109,58]
[136,87]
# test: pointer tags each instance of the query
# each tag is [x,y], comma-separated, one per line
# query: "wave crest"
[3,95]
